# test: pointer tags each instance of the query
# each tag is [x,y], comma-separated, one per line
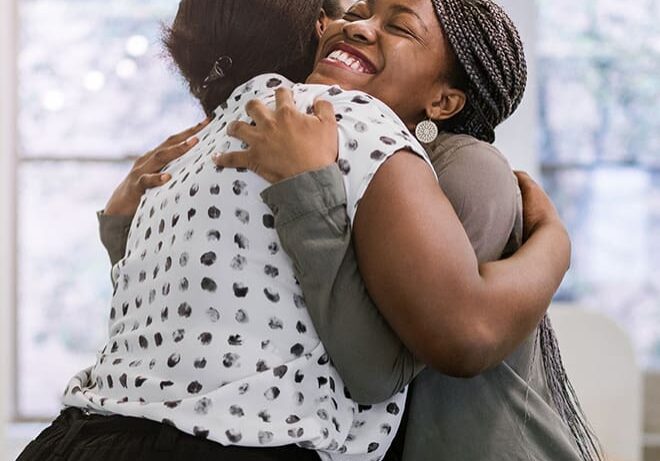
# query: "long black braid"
[491,56]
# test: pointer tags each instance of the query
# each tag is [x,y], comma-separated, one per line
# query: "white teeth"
[348,60]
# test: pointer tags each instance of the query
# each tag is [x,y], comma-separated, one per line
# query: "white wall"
[593,346]
[7,96]
[517,137]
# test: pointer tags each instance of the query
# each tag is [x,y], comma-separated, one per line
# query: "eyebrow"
[398,8]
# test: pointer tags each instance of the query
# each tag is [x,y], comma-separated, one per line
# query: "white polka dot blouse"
[208,328]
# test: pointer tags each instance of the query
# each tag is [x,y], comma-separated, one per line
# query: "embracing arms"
[454,314]
[115,220]
[314,229]
[412,251]
[333,257]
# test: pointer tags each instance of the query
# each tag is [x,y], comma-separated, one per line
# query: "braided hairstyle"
[490,67]
[491,59]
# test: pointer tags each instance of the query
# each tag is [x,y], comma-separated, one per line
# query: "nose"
[360,32]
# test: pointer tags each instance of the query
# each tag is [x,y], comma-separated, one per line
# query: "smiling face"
[394,50]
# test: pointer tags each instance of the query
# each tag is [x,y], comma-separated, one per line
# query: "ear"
[322,23]
[447,103]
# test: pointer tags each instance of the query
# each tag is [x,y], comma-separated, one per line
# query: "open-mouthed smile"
[347,57]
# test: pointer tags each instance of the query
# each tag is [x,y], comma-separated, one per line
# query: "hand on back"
[538,209]
[284,142]
[145,173]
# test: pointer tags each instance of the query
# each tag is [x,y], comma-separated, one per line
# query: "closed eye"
[401,29]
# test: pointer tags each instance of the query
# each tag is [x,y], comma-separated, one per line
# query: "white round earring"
[426,131]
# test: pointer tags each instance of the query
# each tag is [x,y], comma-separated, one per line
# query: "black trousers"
[75,436]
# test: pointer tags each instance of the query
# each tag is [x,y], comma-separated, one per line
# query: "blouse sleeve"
[113,231]
[312,223]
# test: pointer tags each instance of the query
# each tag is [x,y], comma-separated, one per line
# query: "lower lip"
[341,65]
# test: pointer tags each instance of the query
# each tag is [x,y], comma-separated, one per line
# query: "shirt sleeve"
[484,192]
[312,223]
[113,231]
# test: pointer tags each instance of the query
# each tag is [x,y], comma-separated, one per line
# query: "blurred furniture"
[601,364]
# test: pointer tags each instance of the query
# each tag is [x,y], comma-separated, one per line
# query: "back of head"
[259,36]
[491,57]
[333,8]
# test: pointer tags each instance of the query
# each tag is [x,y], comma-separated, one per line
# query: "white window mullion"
[8,73]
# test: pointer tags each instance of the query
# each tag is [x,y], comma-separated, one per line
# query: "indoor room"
[94,94]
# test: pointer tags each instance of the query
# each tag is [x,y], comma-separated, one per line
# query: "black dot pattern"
[208,326]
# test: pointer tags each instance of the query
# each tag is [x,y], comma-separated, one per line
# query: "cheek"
[408,88]
[332,31]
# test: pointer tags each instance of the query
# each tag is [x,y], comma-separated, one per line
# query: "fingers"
[149,181]
[242,131]
[284,98]
[524,179]
[258,112]
[325,111]
[185,134]
[232,160]
[165,156]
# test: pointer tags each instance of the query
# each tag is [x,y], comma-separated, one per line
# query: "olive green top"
[503,414]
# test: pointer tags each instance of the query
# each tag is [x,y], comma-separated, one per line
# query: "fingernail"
[192,141]
[165,177]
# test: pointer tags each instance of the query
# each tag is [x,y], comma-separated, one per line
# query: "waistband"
[95,423]
[77,422]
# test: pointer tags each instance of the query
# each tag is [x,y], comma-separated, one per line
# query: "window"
[94,90]
[87,67]
[600,153]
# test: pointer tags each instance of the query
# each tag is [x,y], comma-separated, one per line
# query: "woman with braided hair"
[425,271]
[525,408]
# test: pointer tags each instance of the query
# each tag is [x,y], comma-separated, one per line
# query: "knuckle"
[286,111]
[142,180]
[159,156]
[134,175]
[232,128]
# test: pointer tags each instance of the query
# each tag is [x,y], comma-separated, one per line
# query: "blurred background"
[84,86]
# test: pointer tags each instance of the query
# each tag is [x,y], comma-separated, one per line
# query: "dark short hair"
[333,9]
[260,36]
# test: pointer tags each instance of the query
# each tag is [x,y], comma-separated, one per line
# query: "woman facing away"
[139,339]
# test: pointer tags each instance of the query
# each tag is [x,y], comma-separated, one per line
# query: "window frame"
[9,20]
[13,13]
[10,46]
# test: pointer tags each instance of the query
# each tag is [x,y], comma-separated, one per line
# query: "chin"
[321,78]
[316,78]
